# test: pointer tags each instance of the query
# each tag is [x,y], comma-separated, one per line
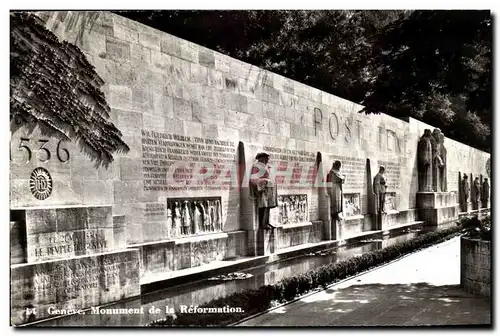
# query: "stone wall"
[475,266]
[175,102]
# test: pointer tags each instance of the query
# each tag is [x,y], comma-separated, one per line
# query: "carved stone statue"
[442,171]
[464,195]
[485,193]
[476,190]
[336,179]
[437,160]
[425,160]
[177,220]
[263,190]
[379,189]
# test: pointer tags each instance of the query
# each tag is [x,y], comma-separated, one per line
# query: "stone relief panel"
[352,204]
[390,201]
[293,209]
[194,216]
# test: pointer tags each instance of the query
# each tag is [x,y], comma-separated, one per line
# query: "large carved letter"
[318,118]
[333,115]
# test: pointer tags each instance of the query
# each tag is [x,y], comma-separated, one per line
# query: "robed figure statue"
[379,189]
[485,193]
[425,159]
[336,179]
[263,189]
[464,194]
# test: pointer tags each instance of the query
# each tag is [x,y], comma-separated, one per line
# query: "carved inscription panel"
[392,174]
[354,171]
[177,162]
[294,169]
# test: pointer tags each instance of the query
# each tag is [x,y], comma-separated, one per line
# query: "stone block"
[126,32]
[199,74]
[150,38]
[426,200]
[222,62]
[75,283]
[141,53]
[65,232]
[438,216]
[98,192]
[189,51]
[116,49]
[17,242]
[206,57]
[170,45]
[182,109]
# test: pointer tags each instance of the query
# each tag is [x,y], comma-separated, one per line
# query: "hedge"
[253,301]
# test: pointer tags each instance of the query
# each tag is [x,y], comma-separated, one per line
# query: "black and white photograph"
[250,168]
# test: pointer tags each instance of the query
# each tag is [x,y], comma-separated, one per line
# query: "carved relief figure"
[442,171]
[379,189]
[177,220]
[485,193]
[476,188]
[218,216]
[464,195]
[186,219]
[425,159]
[212,216]
[263,190]
[197,218]
[169,222]
[336,179]
[207,218]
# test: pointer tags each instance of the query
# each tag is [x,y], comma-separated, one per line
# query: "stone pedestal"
[69,259]
[264,241]
[436,208]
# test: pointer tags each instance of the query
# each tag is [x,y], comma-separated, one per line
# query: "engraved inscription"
[293,169]
[392,174]
[177,162]
[354,170]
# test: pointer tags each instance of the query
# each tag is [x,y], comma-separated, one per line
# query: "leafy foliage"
[253,301]
[54,87]
[476,228]
[434,66]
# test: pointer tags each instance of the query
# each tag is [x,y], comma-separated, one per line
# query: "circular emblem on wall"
[488,167]
[40,183]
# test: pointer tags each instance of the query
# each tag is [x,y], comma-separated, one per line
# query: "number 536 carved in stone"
[61,153]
